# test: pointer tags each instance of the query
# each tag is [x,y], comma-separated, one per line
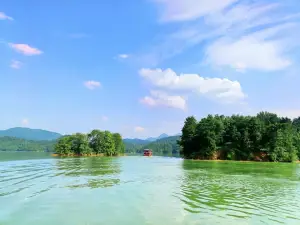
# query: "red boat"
[147,152]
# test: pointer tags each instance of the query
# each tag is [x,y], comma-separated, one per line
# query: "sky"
[140,67]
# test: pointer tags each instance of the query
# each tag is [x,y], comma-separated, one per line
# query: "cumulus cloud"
[222,89]
[3,16]
[15,64]
[254,51]
[91,84]
[139,129]
[25,122]
[159,98]
[25,49]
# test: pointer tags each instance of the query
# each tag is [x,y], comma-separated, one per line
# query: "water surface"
[140,190]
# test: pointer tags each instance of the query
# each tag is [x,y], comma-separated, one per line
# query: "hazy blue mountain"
[29,134]
[167,145]
[157,138]
[150,139]
[136,141]
[162,136]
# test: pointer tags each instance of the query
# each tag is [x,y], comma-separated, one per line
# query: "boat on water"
[147,152]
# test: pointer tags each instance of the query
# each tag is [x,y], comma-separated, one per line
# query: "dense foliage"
[30,134]
[163,146]
[94,143]
[264,137]
[17,144]
[133,148]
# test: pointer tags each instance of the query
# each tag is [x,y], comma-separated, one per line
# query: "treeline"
[18,144]
[164,146]
[94,143]
[264,137]
[133,148]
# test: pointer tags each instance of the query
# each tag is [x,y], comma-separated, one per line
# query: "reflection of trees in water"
[96,172]
[241,190]
[97,183]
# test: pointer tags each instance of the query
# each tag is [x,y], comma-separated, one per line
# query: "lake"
[38,189]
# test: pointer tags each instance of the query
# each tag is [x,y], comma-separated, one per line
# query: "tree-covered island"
[101,143]
[264,137]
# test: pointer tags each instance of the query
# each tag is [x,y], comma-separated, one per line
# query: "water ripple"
[138,190]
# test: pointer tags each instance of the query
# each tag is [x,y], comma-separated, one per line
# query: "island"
[264,137]
[95,143]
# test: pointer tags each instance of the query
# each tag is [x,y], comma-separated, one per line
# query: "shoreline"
[197,160]
[244,161]
[85,155]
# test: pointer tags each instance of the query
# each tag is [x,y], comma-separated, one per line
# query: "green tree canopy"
[95,142]
[265,136]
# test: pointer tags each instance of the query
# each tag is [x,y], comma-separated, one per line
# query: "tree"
[108,144]
[262,137]
[296,124]
[209,136]
[296,143]
[96,139]
[284,150]
[187,137]
[96,142]
[119,145]
[64,145]
[80,144]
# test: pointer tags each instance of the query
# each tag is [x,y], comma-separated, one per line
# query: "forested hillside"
[17,144]
[135,146]
[164,146]
[30,134]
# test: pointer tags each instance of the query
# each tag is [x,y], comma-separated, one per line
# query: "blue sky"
[140,67]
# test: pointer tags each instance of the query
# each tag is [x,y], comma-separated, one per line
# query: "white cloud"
[232,23]
[255,51]
[139,129]
[243,16]
[25,49]
[222,89]
[3,16]
[25,122]
[159,98]
[15,64]
[104,118]
[91,84]
[179,10]
[123,56]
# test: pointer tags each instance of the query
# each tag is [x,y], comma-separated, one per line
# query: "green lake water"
[38,189]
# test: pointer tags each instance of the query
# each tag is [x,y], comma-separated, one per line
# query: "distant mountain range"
[44,135]
[30,134]
[163,146]
[26,139]
[148,140]
[136,141]
[157,138]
